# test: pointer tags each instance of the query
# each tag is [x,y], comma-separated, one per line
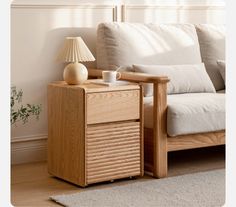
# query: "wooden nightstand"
[95,132]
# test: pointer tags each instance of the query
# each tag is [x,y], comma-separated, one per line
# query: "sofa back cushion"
[125,44]
[183,78]
[221,66]
[212,45]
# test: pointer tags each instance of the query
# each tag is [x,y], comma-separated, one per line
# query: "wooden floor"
[32,185]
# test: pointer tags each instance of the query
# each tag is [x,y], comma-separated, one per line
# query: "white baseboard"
[28,149]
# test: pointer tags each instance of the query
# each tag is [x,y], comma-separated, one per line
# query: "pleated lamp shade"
[75,50]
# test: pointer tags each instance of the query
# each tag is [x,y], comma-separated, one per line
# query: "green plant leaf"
[22,113]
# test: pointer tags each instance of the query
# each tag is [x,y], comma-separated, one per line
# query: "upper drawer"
[113,106]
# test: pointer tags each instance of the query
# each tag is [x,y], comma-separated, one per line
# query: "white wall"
[38,29]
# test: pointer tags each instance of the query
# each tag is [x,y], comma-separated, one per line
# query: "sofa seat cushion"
[124,44]
[190,113]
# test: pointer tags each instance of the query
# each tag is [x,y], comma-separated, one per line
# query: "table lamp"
[74,52]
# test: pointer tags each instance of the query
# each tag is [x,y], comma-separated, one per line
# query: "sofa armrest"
[94,73]
[142,77]
[133,76]
[159,118]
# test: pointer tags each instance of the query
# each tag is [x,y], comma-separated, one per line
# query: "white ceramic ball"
[75,73]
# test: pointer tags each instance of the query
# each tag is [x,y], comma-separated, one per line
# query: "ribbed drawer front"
[112,151]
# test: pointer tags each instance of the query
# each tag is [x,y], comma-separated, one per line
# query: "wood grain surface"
[112,106]
[94,135]
[66,132]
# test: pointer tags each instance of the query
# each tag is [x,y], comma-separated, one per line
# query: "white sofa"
[189,110]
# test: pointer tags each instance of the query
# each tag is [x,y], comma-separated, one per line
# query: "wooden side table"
[95,132]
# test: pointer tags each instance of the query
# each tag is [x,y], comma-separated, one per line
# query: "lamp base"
[75,73]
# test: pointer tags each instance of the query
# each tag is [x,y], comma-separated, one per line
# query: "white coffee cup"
[110,76]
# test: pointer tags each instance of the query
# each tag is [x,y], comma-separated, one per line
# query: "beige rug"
[205,189]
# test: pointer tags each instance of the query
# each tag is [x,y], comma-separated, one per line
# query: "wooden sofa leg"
[160,162]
